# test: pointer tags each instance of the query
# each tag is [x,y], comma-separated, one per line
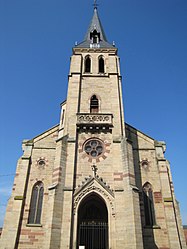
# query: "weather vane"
[95,4]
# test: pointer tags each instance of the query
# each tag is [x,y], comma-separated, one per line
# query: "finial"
[95,4]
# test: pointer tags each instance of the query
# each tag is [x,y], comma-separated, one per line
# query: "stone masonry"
[94,169]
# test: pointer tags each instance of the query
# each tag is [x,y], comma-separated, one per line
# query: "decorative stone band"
[57,173]
[94,118]
[119,176]
[98,120]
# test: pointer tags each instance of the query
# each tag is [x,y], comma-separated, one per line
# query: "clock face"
[94,148]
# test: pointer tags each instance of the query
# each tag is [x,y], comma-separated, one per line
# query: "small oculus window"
[94,148]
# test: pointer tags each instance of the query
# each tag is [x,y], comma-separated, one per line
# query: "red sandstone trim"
[60,168]
[163,171]
[34,240]
[27,232]
[130,175]
[78,175]
[31,236]
[57,174]
[119,177]
[56,180]
[37,233]
[108,144]
[158,197]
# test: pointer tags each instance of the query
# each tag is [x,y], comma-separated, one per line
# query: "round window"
[41,162]
[94,148]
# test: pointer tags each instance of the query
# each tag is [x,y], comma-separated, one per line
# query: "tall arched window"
[148,205]
[36,204]
[101,65]
[94,104]
[87,64]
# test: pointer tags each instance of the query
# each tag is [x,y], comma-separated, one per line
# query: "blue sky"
[36,40]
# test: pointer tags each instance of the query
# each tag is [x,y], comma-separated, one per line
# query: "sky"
[36,40]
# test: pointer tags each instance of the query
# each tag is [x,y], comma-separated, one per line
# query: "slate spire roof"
[95,26]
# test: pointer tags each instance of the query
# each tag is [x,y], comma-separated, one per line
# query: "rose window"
[94,148]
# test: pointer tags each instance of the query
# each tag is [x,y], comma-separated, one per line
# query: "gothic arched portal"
[92,229]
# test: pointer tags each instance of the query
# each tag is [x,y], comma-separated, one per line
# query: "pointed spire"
[96,25]
[95,33]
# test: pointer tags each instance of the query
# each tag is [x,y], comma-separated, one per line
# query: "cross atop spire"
[95,4]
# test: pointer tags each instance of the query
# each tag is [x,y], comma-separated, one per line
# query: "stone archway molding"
[97,185]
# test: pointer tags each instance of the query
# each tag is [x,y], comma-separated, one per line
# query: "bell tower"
[95,84]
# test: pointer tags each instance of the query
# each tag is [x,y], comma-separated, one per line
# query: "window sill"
[152,227]
[34,225]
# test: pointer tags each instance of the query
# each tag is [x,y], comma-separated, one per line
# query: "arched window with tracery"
[94,104]
[87,64]
[101,65]
[148,205]
[36,204]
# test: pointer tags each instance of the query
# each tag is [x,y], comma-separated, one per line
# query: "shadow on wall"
[147,230]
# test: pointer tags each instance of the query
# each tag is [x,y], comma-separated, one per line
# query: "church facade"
[93,181]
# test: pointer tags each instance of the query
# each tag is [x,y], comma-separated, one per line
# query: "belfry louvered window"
[87,64]
[95,36]
[148,205]
[36,204]
[101,65]
[94,104]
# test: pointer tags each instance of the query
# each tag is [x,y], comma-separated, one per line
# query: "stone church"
[93,181]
